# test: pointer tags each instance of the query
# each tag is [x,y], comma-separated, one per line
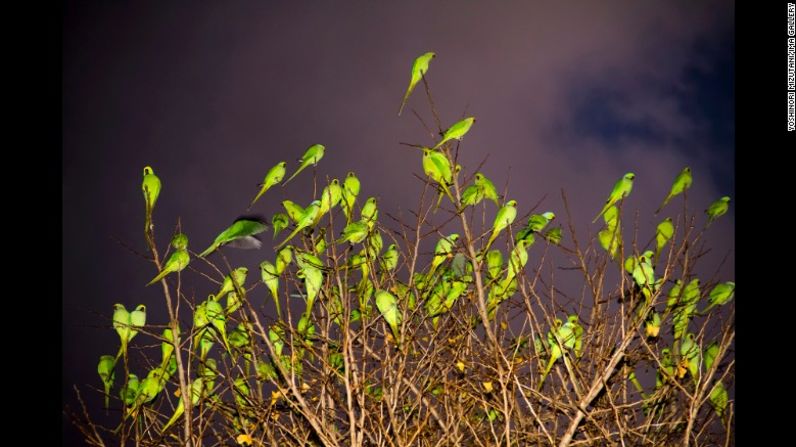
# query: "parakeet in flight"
[680,184]
[419,69]
[312,156]
[241,234]
[272,177]
[457,131]
[621,190]
[505,217]
[718,209]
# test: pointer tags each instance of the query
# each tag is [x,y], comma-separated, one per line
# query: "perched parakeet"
[233,281]
[283,258]
[355,232]
[680,184]
[305,221]
[555,350]
[312,156]
[517,259]
[389,260]
[330,197]
[218,319]
[536,223]
[388,306]
[690,355]
[419,69]
[167,347]
[241,234]
[610,239]
[575,341]
[351,187]
[438,168]
[370,212]
[294,210]
[494,264]
[554,235]
[663,234]
[129,393]
[271,279]
[719,398]
[121,323]
[486,187]
[709,355]
[471,196]
[151,188]
[505,217]
[720,295]
[179,241]
[176,263]
[272,177]
[196,393]
[137,320]
[105,371]
[621,190]
[457,131]
[310,269]
[279,221]
[443,250]
[718,209]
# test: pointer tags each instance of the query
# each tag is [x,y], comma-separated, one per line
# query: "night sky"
[212,94]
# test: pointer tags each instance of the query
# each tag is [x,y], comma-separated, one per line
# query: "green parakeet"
[310,269]
[680,184]
[272,177]
[663,234]
[237,279]
[306,220]
[271,279]
[555,350]
[719,398]
[494,264]
[137,321]
[330,197]
[151,187]
[718,209]
[621,190]
[666,369]
[121,323]
[105,371]
[554,235]
[720,295]
[710,354]
[350,192]
[443,250]
[176,263]
[486,187]
[388,306]
[129,393]
[166,347]
[389,260]
[505,217]
[536,223]
[438,168]
[283,258]
[196,393]
[419,69]
[610,240]
[517,259]
[686,308]
[148,389]
[218,319]
[312,156]
[241,234]
[370,212]
[690,354]
[355,232]
[294,210]
[611,216]
[277,337]
[575,342]
[279,221]
[179,241]
[457,131]
[643,273]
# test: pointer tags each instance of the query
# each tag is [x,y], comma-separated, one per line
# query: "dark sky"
[212,94]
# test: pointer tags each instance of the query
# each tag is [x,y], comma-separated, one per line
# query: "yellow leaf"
[460,366]
[487,386]
[244,439]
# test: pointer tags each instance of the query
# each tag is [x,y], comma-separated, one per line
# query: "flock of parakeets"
[449,276]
